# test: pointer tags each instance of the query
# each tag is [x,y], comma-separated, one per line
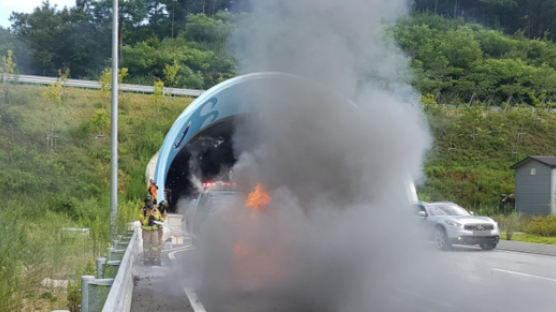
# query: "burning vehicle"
[254,263]
[305,189]
[215,198]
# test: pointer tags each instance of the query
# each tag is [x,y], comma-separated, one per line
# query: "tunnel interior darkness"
[207,156]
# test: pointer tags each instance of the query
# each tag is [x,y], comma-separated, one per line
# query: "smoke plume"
[334,143]
[335,146]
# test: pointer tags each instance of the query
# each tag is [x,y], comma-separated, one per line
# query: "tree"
[170,74]
[46,32]
[158,94]
[7,68]
[8,65]
[53,94]
[105,80]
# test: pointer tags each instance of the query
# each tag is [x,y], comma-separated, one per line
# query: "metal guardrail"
[91,84]
[112,288]
[119,297]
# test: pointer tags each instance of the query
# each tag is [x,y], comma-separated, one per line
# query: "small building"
[535,185]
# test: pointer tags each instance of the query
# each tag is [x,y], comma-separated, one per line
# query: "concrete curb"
[516,246]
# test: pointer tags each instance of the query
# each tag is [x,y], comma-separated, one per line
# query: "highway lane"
[463,279]
[471,279]
[160,289]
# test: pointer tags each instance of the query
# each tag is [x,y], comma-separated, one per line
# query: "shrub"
[74,287]
[509,224]
[543,226]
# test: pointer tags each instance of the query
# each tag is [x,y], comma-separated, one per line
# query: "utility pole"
[114,133]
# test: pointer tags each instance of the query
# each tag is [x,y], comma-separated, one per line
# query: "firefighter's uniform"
[152,188]
[163,210]
[151,251]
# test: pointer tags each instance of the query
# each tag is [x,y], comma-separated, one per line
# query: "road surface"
[469,280]
[477,281]
[159,289]
[486,281]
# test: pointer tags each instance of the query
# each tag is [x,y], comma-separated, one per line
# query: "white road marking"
[172,252]
[194,300]
[190,293]
[525,274]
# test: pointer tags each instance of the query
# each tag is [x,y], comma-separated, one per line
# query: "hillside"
[474,149]
[49,184]
[454,60]
[55,147]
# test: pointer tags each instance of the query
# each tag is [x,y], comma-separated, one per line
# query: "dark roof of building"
[546,160]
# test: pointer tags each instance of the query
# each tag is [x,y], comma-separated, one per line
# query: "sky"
[25,6]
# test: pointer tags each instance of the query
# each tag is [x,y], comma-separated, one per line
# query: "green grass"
[530,238]
[474,149]
[47,187]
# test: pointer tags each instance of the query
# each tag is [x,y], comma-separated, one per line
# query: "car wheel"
[440,239]
[488,246]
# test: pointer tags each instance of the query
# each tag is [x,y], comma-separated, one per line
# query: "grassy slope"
[45,190]
[474,149]
[523,237]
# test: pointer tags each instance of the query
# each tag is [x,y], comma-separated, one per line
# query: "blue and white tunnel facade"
[204,130]
[211,115]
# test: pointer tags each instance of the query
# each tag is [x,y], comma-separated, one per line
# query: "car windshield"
[216,202]
[447,209]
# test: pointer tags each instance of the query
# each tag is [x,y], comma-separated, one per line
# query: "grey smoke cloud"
[354,124]
[338,43]
[334,146]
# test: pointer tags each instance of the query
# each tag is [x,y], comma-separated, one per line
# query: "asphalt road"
[485,281]
[463,279]
[472,280]
[159,288]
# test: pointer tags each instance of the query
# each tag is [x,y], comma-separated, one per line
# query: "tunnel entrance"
[200,143]
[206,157]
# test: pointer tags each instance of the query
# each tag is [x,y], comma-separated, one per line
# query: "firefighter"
[148,215]
[152,188]
[163,210]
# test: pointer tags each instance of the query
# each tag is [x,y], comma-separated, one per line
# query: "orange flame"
[259,265]
[258,262]
[258,199]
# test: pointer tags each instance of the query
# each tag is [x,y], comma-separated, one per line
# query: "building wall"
[553,191]
[532,191]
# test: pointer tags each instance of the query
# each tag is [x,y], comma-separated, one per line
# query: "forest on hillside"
[498,52]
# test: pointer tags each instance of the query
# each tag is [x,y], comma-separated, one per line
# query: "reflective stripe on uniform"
[145,221]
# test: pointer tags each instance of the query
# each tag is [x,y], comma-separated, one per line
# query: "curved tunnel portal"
[199,146]
[207,156]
